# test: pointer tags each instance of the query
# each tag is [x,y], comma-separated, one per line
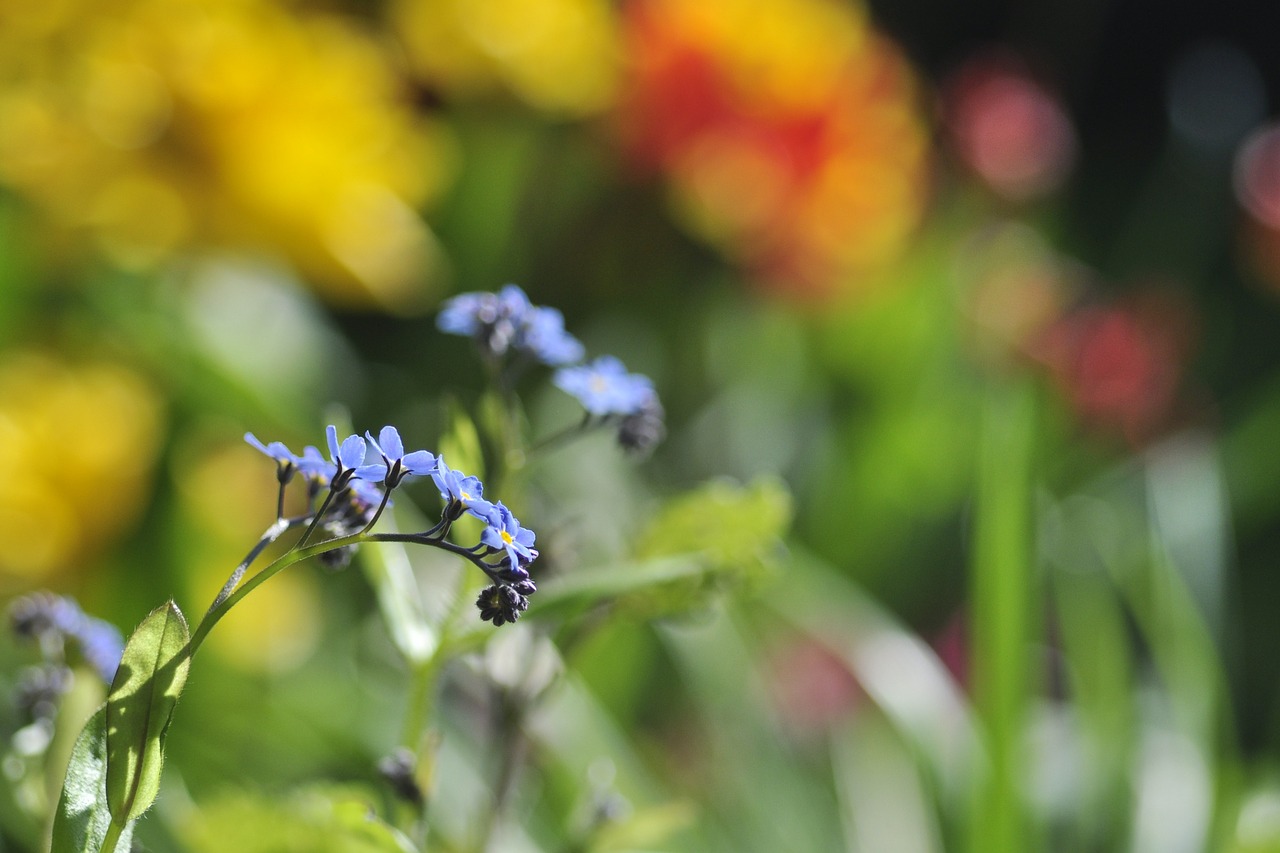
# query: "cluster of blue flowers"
[506,323]
[358,478]
[58,625]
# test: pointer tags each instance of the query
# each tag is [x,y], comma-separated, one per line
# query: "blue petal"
[375,473]
[419,462]
[389,441]
[331,434]
[352,452]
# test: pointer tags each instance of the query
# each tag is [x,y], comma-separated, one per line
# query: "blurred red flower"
[787,130]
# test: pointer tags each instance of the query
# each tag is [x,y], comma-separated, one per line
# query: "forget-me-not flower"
[543,336]
[400,464]
[604,387]
[507,320]
[315,467]
[458,489]
[504,533]
[286,462]
[348,458]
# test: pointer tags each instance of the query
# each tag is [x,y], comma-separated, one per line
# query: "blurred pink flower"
[1007,128]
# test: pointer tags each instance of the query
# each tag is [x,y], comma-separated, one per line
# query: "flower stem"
[271,534]
[282,562]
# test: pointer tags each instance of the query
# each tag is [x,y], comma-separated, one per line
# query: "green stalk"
[281,563]
[1002,606]
[112,837]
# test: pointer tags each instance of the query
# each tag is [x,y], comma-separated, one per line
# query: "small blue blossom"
[276,450]
[544,337]
[348,458]
[604,387]
[506,320]
[285,460]
[492,319]
[399,464]
[367,493]
[314,466]
[504,533]
[457,488]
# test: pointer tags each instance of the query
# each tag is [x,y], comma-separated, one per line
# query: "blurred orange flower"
[788,130]
[156,126]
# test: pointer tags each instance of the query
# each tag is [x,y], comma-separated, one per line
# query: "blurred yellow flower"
[80,442]
[158,125]
[788,130]
[557,55]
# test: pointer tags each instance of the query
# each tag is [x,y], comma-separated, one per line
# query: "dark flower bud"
[643,429]
[397,769]
[501,604]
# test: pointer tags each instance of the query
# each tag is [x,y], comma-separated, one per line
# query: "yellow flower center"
[506,537]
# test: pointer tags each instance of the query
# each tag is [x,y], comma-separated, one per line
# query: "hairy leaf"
[83,817]
[139,707]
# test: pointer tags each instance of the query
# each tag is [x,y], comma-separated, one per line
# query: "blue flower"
[399,464]
[543,336]
[492,319]
[506,320]
[285,460]
[349,460]
[504,533]
[313,465]
[604,387]
[457,488]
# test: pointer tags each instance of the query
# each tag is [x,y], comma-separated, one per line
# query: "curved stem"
[442,544]
[282,562]
[271,534]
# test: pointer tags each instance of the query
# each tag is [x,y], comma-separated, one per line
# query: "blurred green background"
[964,323]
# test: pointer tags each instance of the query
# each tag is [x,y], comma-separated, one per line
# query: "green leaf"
[139,707]
[320,819]
[719,535]
[80,825]
[737,526]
